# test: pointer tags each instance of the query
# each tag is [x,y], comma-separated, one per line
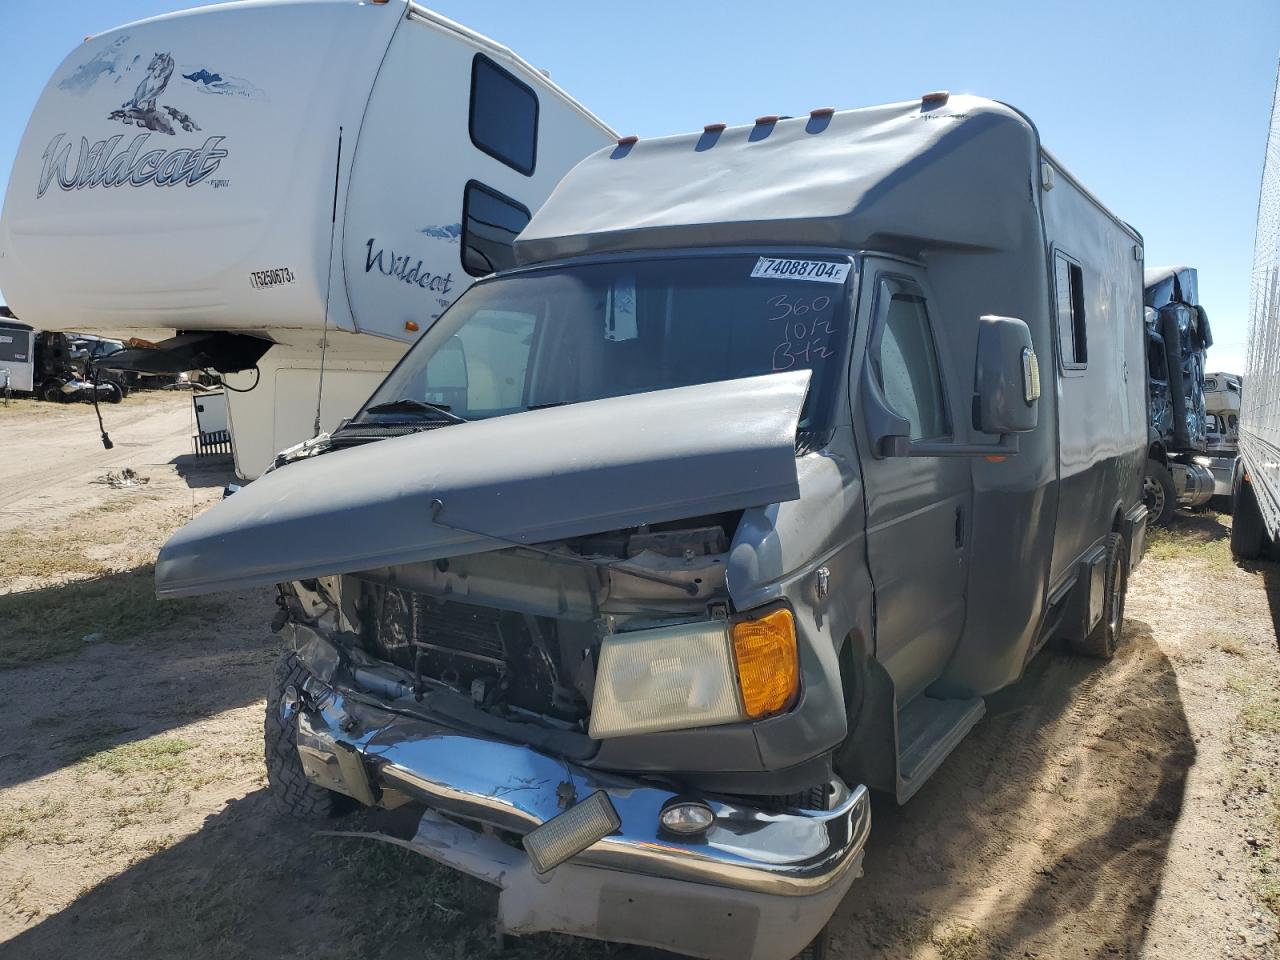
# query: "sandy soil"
[1120,810]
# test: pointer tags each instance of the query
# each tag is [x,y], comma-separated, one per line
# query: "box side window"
[1072,331]
[490,223]
[504,115]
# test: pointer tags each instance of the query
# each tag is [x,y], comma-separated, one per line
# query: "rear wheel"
[116,393]
[1104,638]
[1248,533]
[1158,493]
[51,391]
[290,790]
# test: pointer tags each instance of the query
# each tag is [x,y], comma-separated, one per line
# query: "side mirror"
[1006,377]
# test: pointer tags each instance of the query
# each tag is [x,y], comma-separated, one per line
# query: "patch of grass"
[28,821]
[1196,540]
[1260,711]
[137,811]
[47,554]
[121,607]
[961,943]
[142,756]
[92,736]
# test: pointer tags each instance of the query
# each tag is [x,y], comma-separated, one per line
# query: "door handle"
[959,527]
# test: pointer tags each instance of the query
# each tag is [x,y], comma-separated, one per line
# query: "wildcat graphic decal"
[113,162]
[142,111]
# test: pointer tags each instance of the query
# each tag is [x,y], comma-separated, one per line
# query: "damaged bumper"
[757,884]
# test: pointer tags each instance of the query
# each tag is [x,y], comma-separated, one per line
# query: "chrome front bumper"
[778,875]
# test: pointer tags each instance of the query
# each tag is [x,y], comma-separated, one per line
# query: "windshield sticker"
[822,271]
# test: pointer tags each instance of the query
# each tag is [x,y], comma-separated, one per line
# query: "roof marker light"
[411,326]
[937,96]
[772,118]
[628,141]
[714,127]
[822,112]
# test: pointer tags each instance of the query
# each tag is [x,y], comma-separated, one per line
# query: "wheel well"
[1157,453]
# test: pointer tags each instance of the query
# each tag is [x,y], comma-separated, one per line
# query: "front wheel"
[287,782]
[1158,493]
[1102,641]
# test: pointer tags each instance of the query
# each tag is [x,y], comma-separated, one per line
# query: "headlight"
[695,675]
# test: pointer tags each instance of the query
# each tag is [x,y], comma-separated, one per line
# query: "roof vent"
[771,118]
[628,141]
[937,96]
[822,112]
[714,128]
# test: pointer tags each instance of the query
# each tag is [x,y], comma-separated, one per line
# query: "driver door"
[918,508]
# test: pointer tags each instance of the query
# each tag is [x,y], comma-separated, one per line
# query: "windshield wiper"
[413,405]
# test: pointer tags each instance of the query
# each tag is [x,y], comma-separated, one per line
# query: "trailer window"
[504,115]
[1069,280]
[908,363]
[490,223]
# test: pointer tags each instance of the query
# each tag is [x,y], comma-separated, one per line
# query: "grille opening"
[498,658]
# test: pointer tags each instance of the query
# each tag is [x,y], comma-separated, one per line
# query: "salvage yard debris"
[128,477]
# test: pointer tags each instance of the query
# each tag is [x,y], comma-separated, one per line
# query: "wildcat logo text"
[102,164]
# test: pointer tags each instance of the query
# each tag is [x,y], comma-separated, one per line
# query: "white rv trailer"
[316,178]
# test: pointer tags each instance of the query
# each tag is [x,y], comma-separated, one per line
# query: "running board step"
[928,730]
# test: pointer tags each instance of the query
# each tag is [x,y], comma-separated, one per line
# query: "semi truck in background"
[1255,526]
[287,192]
[1178,335]
[1222,396]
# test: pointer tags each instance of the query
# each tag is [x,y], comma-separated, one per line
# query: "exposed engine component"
[471,624]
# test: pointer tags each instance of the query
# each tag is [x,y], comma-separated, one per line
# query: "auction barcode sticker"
[823,271]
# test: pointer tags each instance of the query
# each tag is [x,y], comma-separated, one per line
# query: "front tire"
[291,792]
[1158,493]
[1102,641]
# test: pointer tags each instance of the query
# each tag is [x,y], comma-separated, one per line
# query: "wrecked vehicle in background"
[1178,472]
[1222,395]
[733,500]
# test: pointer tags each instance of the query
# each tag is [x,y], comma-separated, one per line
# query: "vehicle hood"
[525,478]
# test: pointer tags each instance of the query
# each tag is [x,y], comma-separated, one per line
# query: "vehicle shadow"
[1204,526]
[208,471]
[90,665]
[1269,571]
[252,883]
[1050,824]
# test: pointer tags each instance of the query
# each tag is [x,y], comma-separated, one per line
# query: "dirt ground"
[1120,810]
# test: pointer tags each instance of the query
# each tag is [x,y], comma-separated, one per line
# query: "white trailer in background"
[17,357]
[286,185]
[1255,527]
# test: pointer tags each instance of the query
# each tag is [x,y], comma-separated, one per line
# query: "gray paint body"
[946,574]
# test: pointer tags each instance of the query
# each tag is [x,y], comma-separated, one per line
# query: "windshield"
[569,334]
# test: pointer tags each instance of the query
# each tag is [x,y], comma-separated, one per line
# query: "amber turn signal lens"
[768,665]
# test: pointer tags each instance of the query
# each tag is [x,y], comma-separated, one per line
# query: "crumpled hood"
[528,478]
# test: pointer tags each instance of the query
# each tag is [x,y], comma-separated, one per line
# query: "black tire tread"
[1248,533]
[290,790]
[1097,643]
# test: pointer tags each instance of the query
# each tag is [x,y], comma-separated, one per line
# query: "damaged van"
[782,448]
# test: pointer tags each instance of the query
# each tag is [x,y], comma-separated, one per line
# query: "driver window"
[908,364]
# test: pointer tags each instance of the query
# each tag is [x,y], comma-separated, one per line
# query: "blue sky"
[1159,106]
